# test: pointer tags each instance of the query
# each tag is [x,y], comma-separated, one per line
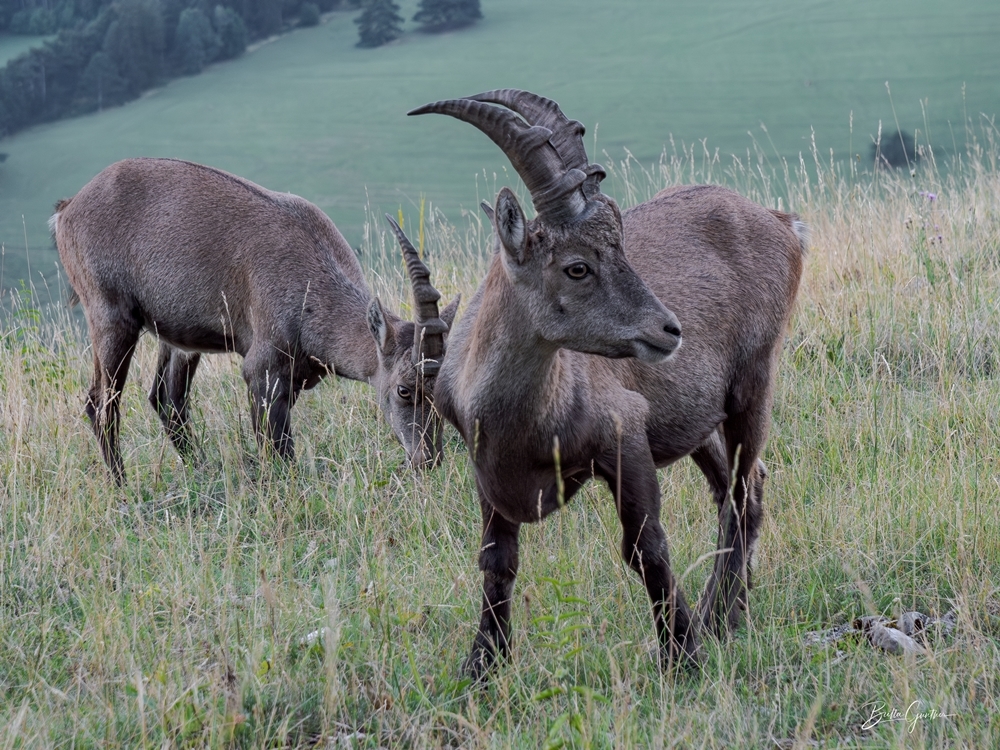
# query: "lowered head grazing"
[209,262]
[409,356]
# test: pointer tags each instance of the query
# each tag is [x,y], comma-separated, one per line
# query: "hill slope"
[237,602]
[312,114]
[12,45]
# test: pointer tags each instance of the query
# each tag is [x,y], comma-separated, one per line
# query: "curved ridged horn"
[553,187]
[429,329]
[567,135]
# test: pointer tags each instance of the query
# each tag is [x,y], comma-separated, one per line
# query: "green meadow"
[312,114]
[12,45]
[239,603]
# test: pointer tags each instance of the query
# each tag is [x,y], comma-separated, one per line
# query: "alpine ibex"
[567,365]
[210,262]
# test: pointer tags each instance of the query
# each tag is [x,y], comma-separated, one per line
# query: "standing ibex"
[210,262]
[542,414]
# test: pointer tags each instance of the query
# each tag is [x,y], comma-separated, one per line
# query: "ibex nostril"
[673,328]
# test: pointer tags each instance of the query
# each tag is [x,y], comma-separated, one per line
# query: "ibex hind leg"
[114,346]
[711,458]
[737,487]
[169,395]
[268,377]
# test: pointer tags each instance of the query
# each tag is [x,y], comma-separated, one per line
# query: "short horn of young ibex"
[210,262]
[567,364]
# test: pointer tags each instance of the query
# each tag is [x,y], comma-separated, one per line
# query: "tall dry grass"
[235,602]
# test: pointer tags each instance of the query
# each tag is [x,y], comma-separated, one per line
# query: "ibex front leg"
[632,478]
[498,559]
[268,376]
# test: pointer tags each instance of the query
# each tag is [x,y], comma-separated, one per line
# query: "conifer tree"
[309,14]
[443,15]
[232,32]
[135,43]
[379,23]
[196,42]
[101,83]
[263,17]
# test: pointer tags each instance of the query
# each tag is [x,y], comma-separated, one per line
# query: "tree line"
[107,52]
[380,22]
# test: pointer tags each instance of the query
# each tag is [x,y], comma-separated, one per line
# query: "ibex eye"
[578,271]
[403,392]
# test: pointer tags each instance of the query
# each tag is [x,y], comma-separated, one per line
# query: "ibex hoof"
[478,665]
[686,657]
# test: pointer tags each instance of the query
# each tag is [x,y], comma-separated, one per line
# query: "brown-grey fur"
[209,262]
[543,382]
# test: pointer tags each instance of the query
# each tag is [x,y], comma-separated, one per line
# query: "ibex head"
[567,266]
[409,357]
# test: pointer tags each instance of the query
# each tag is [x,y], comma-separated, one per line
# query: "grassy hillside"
[312,114]
[12,45]
[187,610]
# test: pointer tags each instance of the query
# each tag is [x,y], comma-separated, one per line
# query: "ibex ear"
[448,314]
[488,210]
[381,328]
[511,226]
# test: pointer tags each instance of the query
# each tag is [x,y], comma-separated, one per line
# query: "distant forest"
[107,52]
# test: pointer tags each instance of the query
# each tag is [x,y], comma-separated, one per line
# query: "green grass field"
[13,45]
[312,114]
[187,611]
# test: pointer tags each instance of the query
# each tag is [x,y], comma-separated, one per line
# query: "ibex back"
[210,262]
[567,365]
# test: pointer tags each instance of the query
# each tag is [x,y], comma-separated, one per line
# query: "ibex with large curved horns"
[210,262]
[542,414]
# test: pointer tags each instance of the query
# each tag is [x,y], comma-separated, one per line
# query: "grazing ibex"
[210,262]
[567,365]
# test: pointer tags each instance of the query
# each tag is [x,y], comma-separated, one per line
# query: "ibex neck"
[354,355]
[508,361]
[335,331]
